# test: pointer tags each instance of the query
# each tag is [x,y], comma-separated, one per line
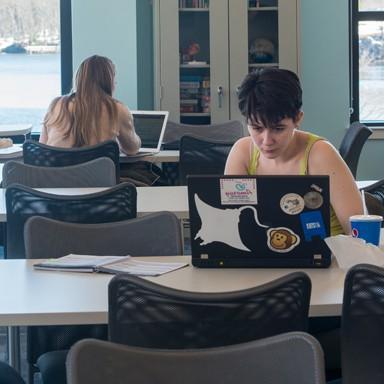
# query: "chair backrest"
[377,190]
[114,204]
[9,375]
[229,131]
[35,153]
[352,144]
[99,172]
[290,358]
[198,156]
[146,314]
[157,234]
[362,325]
[374,204]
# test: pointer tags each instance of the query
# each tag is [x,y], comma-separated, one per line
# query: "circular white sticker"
[292,204]
[313,200]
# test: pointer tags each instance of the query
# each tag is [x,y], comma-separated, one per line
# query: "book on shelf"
[189,84]
[189,101]
[193,3]
[107,264]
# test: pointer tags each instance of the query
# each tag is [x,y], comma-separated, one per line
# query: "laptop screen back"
[259,221]
[150,126]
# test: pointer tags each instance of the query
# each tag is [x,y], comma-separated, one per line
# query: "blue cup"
[366,227]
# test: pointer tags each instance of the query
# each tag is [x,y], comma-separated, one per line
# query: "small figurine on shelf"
[257,3]
[261,51]
[190,52]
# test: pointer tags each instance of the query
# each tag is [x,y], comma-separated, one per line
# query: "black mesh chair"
[352,144]
[43,155]
[362,325]
[146,314]
[99,172]
[375,194]
[290,358]
[198,156]
[229,132]
[114,204]
[8,375]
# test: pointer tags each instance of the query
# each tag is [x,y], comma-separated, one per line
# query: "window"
[35,57]
[367,64]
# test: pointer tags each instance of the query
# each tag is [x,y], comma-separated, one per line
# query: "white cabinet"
[204,48]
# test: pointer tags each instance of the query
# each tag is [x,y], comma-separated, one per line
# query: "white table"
[149,199]
[365,183]
[7,130]
[53,298]
[11,153]
[34,297]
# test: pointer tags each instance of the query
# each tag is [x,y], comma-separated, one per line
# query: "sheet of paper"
[142,268]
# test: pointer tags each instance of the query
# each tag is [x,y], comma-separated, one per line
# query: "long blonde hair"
[91,93]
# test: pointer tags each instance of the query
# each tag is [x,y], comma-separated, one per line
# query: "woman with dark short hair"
[271,99]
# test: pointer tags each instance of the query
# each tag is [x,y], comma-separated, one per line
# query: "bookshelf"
[206,47]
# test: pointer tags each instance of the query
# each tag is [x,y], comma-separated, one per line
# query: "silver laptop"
[150,126]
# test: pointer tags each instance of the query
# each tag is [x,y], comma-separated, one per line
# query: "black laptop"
[259,221]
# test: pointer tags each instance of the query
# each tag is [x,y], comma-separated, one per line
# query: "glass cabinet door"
[195,68]
[263,33]
[267,38]
[203,57]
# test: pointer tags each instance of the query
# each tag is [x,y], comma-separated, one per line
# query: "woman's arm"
[238,159]
[129,142]
[345,196]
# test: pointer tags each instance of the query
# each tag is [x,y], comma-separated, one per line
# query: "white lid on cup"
[366,218]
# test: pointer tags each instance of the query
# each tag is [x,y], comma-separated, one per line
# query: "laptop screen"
[263,221]
[150,126]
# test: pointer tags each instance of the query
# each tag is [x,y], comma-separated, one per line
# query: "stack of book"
[190,94]
[194,94]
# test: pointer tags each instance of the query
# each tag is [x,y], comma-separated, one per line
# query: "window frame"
[66,45]
[355,17]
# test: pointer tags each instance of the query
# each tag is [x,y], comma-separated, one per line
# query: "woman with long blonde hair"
[90,114]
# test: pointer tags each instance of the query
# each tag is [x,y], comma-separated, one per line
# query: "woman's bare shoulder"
[243,143]
[324,155]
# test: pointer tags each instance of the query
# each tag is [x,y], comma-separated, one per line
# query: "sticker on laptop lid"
[282,239]
[313,225]
[313,200]
[292,204]
[238,191]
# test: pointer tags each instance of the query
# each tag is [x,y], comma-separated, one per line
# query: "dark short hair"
[269,95]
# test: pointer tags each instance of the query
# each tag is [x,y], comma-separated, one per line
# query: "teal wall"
[325,77]
[108,29]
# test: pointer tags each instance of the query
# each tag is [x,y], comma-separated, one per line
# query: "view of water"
[28,83]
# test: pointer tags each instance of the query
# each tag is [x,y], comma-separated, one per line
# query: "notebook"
[150,126]
[259,221]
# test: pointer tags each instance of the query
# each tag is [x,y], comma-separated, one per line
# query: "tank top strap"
[304,161]
[253,161]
